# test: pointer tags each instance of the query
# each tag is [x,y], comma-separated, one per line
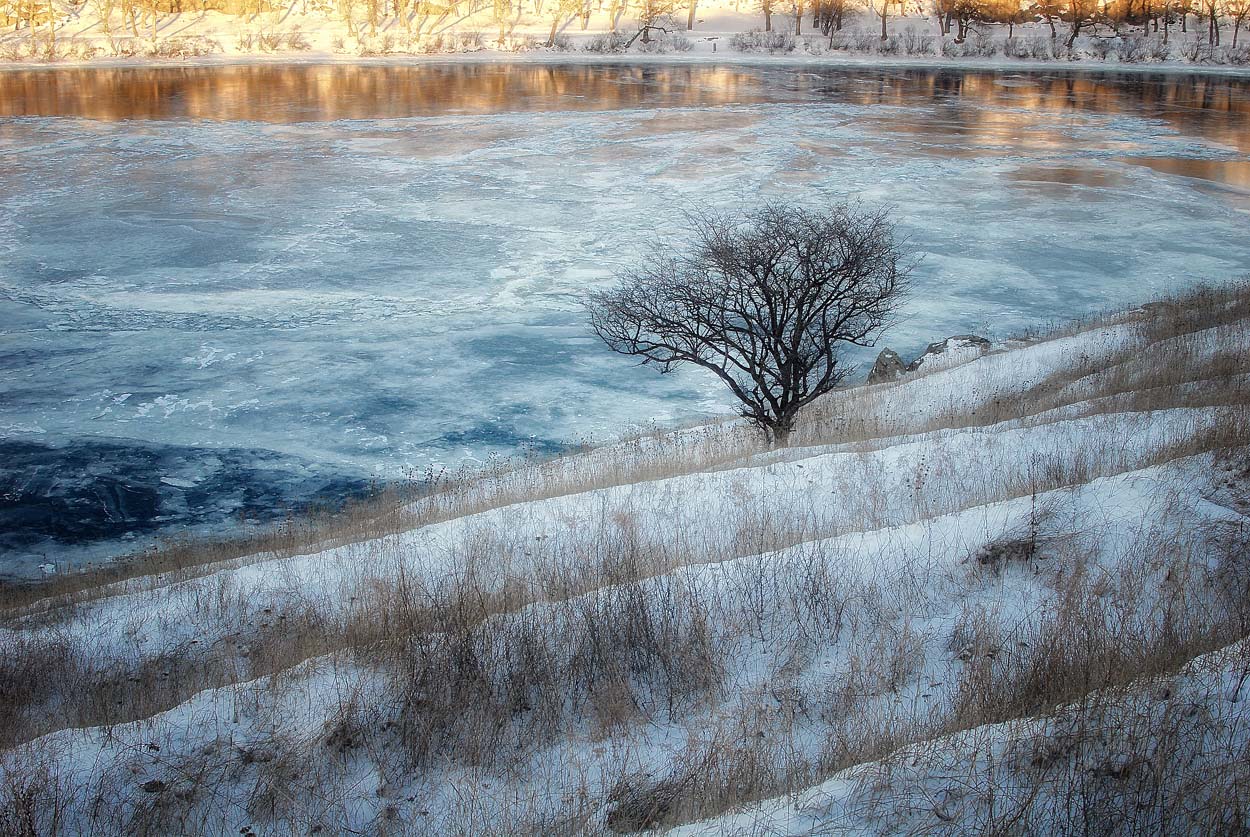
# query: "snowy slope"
[907,622]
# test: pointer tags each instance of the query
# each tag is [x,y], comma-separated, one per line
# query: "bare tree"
[766,6]
[828,15]
[562,13]
[765,302]
[1211,8]
[653,14]
[883,13]
[1080,13]
[1238,11]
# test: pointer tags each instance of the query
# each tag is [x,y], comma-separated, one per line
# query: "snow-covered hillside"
[1008,595]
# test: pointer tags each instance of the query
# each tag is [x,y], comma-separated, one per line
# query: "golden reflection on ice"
[935,112]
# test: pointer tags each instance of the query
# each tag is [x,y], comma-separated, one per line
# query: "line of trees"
[1211,18]
[1118,17]
[136,16]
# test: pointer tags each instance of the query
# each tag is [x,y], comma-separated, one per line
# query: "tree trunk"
[778,436]
[798,19]
[551,39]
[1076,30]
[768,19]
[884,11]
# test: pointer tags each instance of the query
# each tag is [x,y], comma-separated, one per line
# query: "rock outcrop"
[889,367]
[950,352]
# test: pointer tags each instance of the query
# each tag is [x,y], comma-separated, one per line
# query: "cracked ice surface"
[204,319]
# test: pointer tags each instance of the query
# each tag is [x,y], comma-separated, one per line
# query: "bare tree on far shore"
[765,301]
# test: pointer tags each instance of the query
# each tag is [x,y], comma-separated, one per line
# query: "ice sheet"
[362,297]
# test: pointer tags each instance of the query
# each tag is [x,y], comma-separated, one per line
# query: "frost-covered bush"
[611,42]
[269,41]
[1157,50]
[371,47]
[1130,49]
[27,48]
[864,41]
[523,43]
[757,40]
[1239,56]
[562,43]
[15,49]
[1037,48]
[296,42]
[127,47]
[1196,52]
[1042,48]
[84,50]
[449,42]
[668,42]
[980,44]
[1016,48]
[1098,48]
[680,43]
[184,47]
[916,43]
[890,46]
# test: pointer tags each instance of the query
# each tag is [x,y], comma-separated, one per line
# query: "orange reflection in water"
[297,93]
[1227,172]
[986,107]
[1216,108]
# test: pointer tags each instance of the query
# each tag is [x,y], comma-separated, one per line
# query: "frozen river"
[226,292]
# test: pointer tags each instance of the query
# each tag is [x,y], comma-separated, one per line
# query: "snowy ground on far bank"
[205,318]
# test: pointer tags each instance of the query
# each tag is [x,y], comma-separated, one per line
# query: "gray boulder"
[889,367]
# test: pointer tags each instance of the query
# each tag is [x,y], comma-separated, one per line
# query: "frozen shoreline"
[726,58]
